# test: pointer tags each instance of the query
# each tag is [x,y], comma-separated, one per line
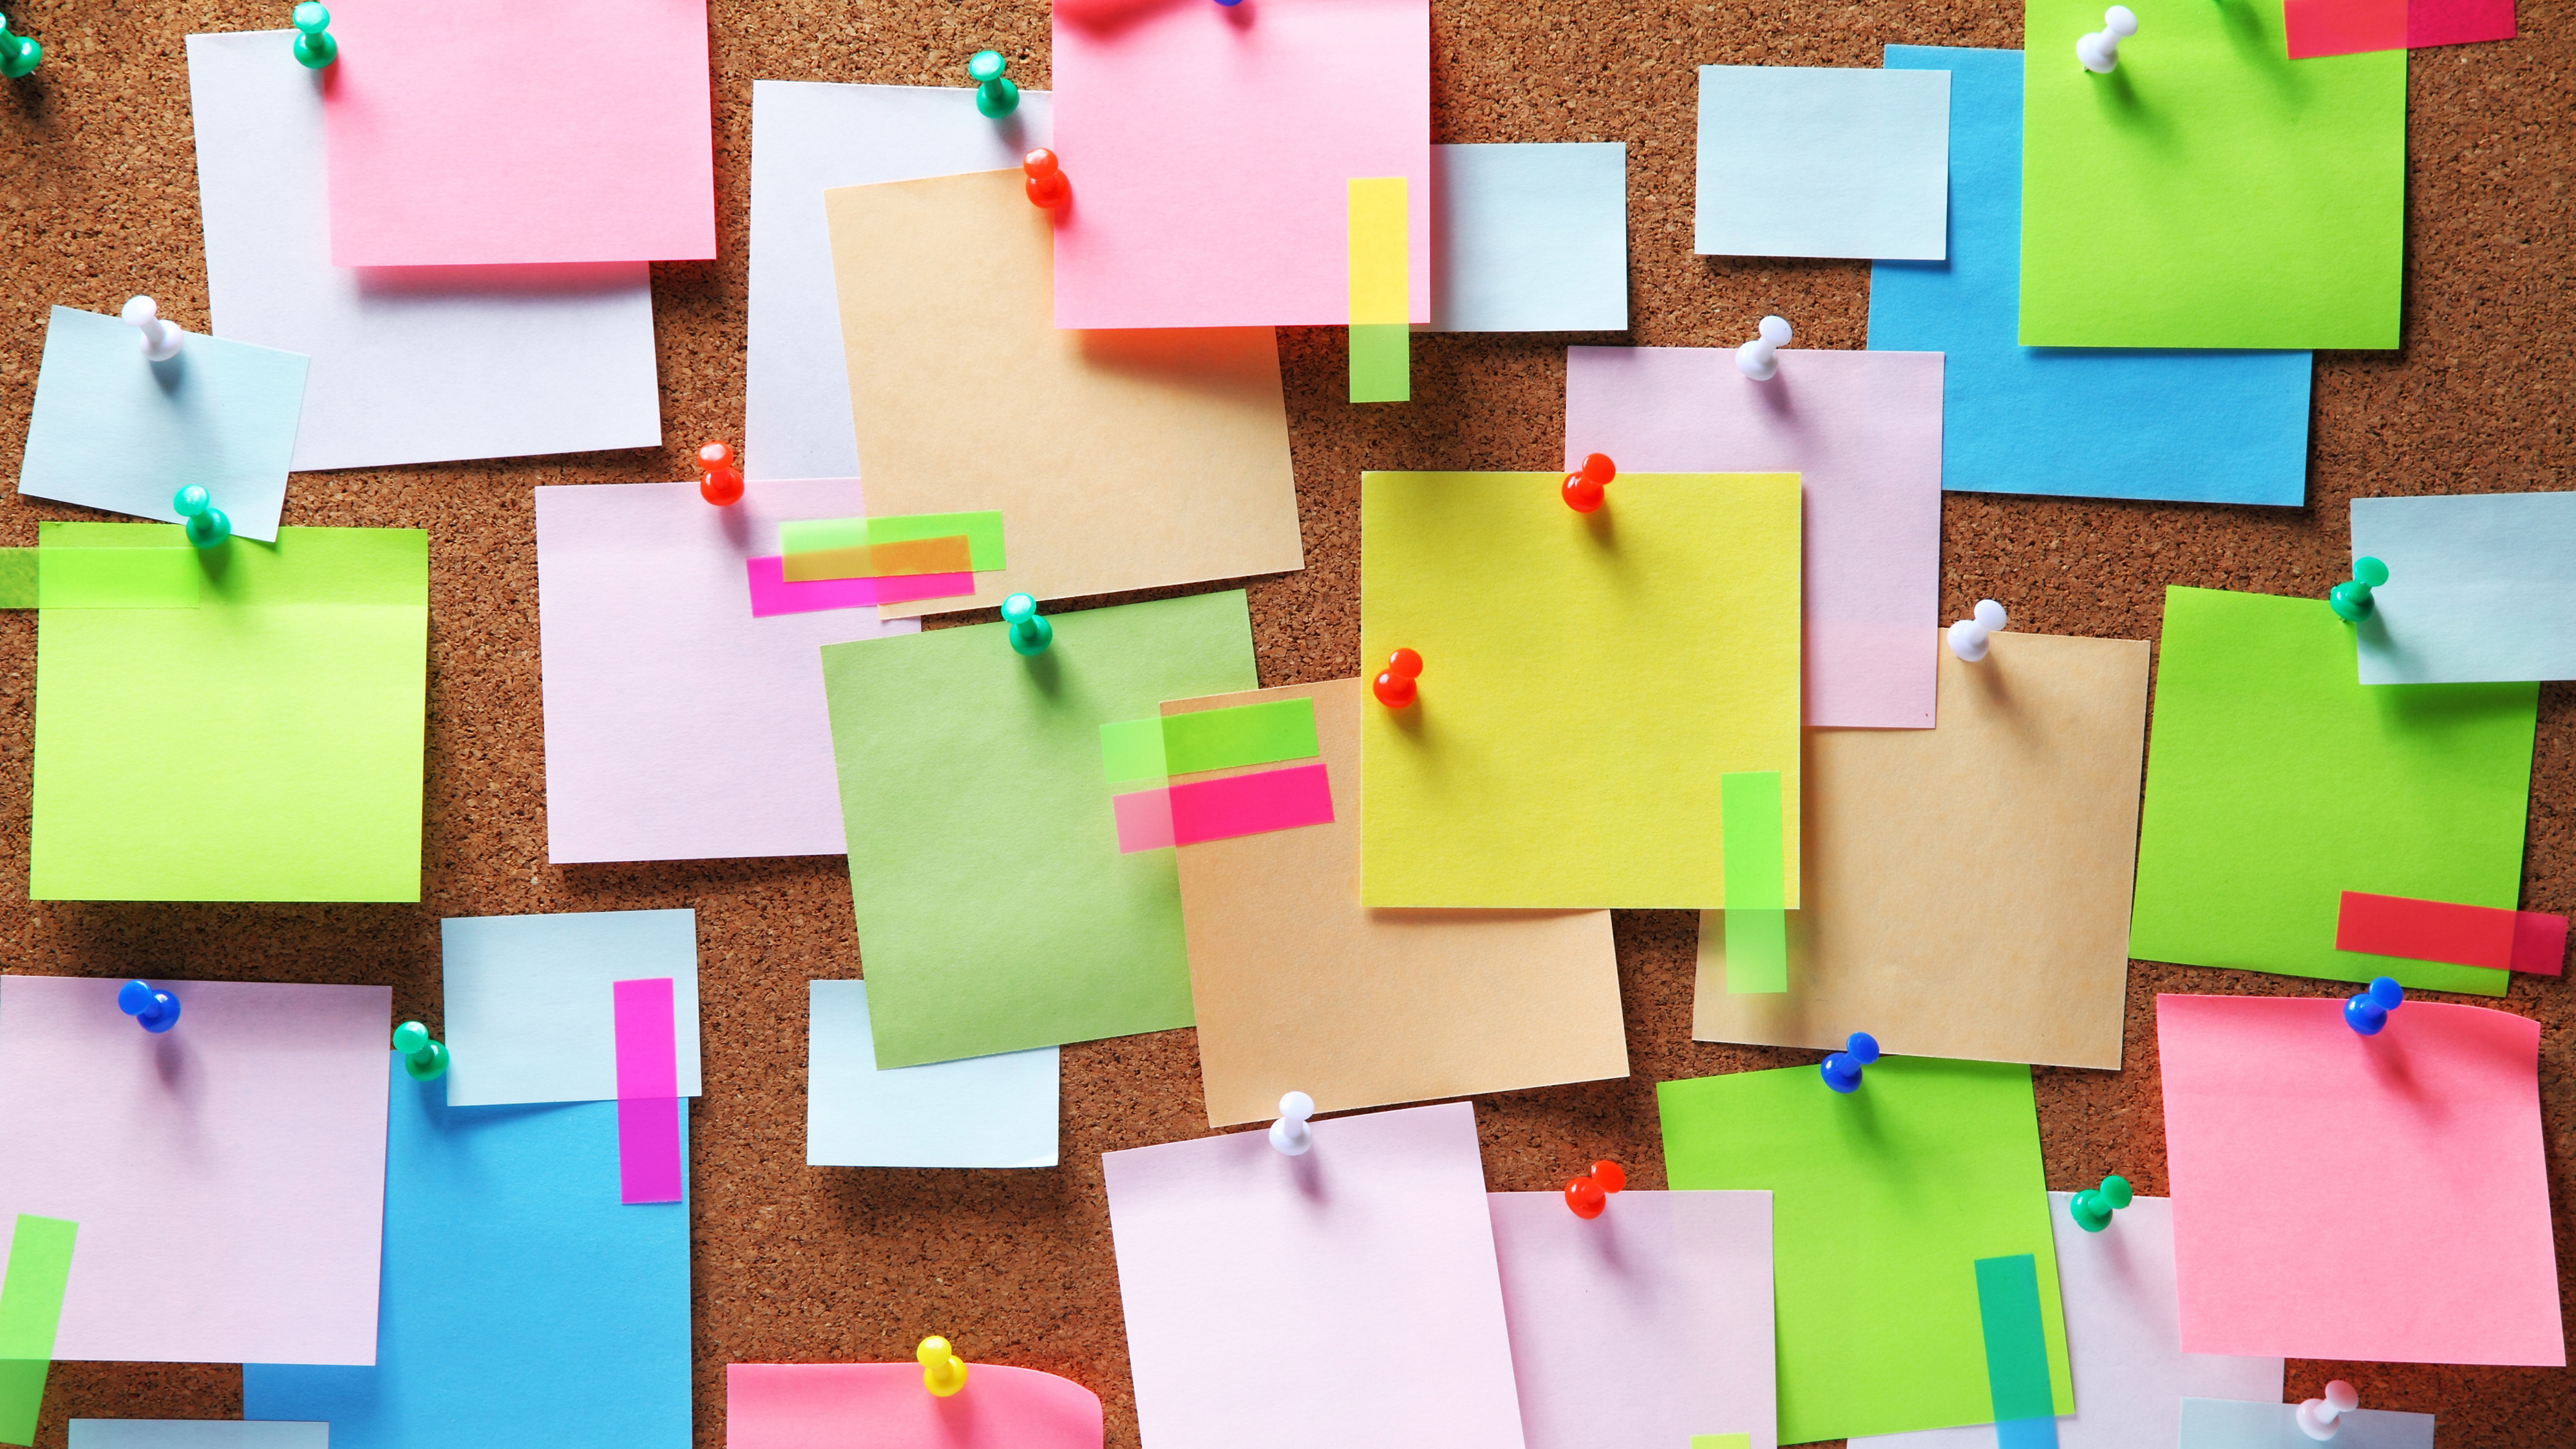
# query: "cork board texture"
[98,201]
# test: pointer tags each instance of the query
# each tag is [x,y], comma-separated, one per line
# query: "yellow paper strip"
[1378,261]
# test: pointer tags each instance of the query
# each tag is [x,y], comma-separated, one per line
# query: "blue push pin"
[157,1010]
[314,47]
[207,525]
[1030,634]
[1842,1069]
[996,95]
[2368,1012]
[2351,601]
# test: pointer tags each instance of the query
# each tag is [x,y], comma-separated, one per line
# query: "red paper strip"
[2488,936]
[2314,28]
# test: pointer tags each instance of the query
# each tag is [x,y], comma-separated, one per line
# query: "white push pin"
[2100,51]
[1759,359]
[160,339]
[1968,636]
[1290,1134]
[2321,1418]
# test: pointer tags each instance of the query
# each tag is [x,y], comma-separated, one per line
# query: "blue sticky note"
[2481,588]
[996,1111]
[2243,1424]
[1530,237]
[2195,427]
[1817,161]
[523,1304]
[196,1434]
[112,429]
[528,1010]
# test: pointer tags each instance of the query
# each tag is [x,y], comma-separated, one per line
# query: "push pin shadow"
[2092,1210]
[2323,1418]
[1583,486]
[1395,687]
[1290,1134]
[1759,359]
[1842,1069]
[19,54]
[314,47]
[719,481]
[996,95]
[206,524]
[422,1057]
[2351,600]
[2368,1012]
[158,1011]
[1046,184]
[2100,51]
[1589,1194]
[942,1371]
[160,339]
[1030,633]
[1968,636]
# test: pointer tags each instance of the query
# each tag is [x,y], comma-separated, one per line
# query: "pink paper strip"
[772,594]
[2315,28]
[648,1092]
[1144,820]
[1222,809]
[2539,942]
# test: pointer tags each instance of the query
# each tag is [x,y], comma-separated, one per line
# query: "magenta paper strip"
[1144,820]
[1222,809]
[772,594]
[648,1092]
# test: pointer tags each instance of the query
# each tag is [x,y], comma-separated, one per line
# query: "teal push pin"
[2351,601]
[422,1057]
[995,95]
[2092,1210]
[18,53]
[1030,634]
[314,47]
[207,525]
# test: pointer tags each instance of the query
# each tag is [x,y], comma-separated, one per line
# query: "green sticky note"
[17,578]
[1208,739]
[2016,1340]
[1757,939]
[2210,192]
[2276,781]
[1381,362]
[31,1307]
[1132,750]
[1721,1441]
[119,578]
[264,745]
[1881,1198]
[982,531]
[994,909]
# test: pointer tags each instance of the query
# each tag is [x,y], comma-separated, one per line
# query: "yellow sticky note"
[1587,679]
[1377,250]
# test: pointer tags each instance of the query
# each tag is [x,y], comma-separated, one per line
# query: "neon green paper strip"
[1721,1441]
[117,578]
[1209,739]
[1132,750]
[31,1307]
[17,578]
[2016,1341]
[1757,941]
[1381,362]
[983,533]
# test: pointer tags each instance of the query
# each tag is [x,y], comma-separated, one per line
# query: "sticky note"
[523,996]
[1862,430]
[1666,1295]
[1885,1196]
[2210,192]
[1381,346]
[2190,426]
[189,1250]
[1815,161]
[2016,1348]
[994,910]
[303,668]
[2533,941]
[114,430]
[1234,1258]
[772,594]
[1530,237]
[1165,457]
[2231,1424]
[520,157]
[1220,738]
[508,1274]
[2275,783]
[997,1111]
[681,724]
[983,532]
[2446,1096]
[2481,587]
[1163,104]
[2032,775]
[1221,809]
[1759,960]
[197,1433]
[649,1168]
[882,1406]
[31,1310]
[2344,27]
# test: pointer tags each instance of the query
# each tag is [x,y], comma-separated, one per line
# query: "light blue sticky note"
[528,1010]
[2237,1424]
[523,1304]
[1530,237]
[197,1434]
[112,429]
[1807,161]
[2481,588]
[2195,427]
[997,1111]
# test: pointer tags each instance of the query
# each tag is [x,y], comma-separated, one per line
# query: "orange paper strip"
[949,555]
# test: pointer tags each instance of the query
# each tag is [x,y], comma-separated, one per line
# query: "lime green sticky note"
[1882,1199]
[994,909]
[1381,362]
[1757,929]
[2276,781]
[262,745]
[2210,192]
[1721,1441]
[31,1307]
[1132,750]
[982,532]
[1210,739]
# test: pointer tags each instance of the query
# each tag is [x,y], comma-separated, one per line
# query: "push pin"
[1842,1069]
[2100,51]
[2092,1210]
[1290,1134]
[1030,632]
[1590,1193]
[1583,487]
[1047,186]
[314,47]
[2368,1012]
[19,54]
[423,1058]
[158,1011]
[1759,359]
[2322,1418]
[1395,687]
[206,524]
[160,339]
[1968,636]
[995,94]
[2351,600]
[719,481]
[942,1371]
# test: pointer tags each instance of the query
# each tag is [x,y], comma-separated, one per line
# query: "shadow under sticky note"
[883,1406]
[996,1111]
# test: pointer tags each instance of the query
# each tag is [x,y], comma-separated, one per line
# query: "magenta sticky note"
[648,1092]
[1210,147]
[1863,432]
[476,132]
[1222,809]
[773,594]
[2349,1197]
[883,1406]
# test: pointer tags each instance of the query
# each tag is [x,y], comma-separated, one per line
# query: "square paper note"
[1530,237]
[1806,161]
[2480,587]
[997,1111]
[529,1012]
[881,1406]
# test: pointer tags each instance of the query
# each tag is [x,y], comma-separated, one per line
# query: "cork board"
[98,201]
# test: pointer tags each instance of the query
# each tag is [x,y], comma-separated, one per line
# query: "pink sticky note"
[1221,809]
[772,594]
[2337,1196]
[1238,1263]
[478,133]
[1209,147]
[648,1092]
[1863,429]
[884,1406]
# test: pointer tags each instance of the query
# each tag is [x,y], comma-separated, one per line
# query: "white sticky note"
[2481,588]
[996,1111]
[198,1434]
[1807,161]
[2229,1424]
[1529,237]
[529,1014]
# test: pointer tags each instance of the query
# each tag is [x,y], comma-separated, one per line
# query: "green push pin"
[1030,634]
[423,1058]
[2351,601]
[2092,1210]
[995,95]
[207,525]
[314,47]
[18,53]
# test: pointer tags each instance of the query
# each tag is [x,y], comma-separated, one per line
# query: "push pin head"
[2092,1210]
[1590,1193]
[1395,687]
[2368,1012]
[1759,359]
[719,481]
[314,47]
[160,339]
[158,1011]
[19,54]
[1583,486]
[996,95]
[1842,1069]
[2323,1418]
[1290,1134]
[942,1371]
[2100,51]
[2351,601]
[423,1058]
[1046,186]
[1030,633]
[206,524]
[1968,636]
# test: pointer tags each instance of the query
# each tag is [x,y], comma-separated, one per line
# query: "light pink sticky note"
[884,1406]
[1210,147]
[1221,809]
[1863,430]
[476,132]
[648,1092]
[772,594]
[2337,1196]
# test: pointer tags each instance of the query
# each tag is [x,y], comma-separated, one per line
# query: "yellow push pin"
[942,1372]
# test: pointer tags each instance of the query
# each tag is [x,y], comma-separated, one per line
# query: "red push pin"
[1047,186]
[719,482]
[1395,687]
[1583,487]
[1590,1193]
